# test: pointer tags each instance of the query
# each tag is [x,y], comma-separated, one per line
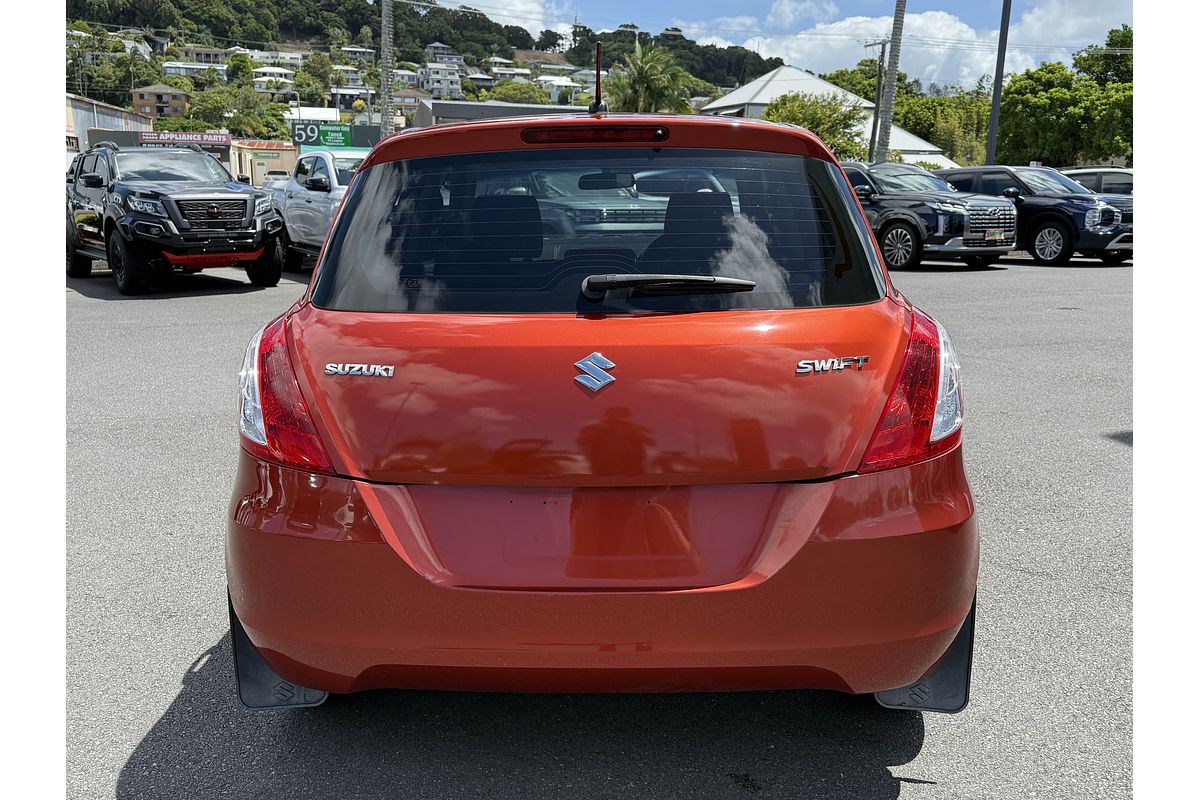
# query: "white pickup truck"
[307,200]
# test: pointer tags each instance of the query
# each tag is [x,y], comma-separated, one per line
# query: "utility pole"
[882,45]
[889,92]
[998,83]
[386,75]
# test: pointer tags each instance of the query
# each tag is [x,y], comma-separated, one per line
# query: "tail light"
[273,416]
[923,415]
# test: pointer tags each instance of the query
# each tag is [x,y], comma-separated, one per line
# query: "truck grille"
[981,219]
[212,214]
[647,215]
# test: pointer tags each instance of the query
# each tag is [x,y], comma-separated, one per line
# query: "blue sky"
[948,41]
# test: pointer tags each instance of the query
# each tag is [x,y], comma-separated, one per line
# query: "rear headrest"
[504,226]
[697,212]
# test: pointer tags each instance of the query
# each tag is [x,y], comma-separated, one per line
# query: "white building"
[347,75]
[275,80]
[404,77]
[511,73]
[355,53]
[442,81]
[190,69]
[752,99]
[555,85]
[281,58]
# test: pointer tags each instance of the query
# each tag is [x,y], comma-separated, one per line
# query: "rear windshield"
[519,232]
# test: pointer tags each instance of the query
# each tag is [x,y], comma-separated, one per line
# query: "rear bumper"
[860,586]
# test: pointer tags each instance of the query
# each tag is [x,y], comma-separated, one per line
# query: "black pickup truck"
[914,212]
[1056,217]
[151,211]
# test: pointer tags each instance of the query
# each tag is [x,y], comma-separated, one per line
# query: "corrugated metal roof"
[778,82]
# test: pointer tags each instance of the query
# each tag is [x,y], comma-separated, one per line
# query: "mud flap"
[258,686]
[947,688]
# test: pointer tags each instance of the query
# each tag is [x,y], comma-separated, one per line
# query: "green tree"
[208,79]
[309,89]
[564,97]
[511,92]
[651,81]
[548,41]
[826,115]
[239,69]
[860,79]
[1106,68]
[518,38]
[366,37]
[1076,118]
[320,67]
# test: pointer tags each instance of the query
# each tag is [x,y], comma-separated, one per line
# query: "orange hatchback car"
[602,403]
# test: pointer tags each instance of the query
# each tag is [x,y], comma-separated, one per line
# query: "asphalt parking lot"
[151,711]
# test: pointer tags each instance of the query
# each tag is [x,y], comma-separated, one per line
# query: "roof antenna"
[598,106]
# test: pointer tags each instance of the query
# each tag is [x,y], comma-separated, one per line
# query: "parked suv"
[1102,180]
[1056,217]
[150,211]
[482,454]
[307,200]
[912,211]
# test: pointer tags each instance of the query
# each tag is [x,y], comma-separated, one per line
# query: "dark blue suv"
[1056,217]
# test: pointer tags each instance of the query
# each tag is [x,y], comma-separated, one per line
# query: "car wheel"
[1051,243]
[1116,256]
[900,245]
[267,269]
[289,260]
[77,266]
[129,268]
[980,262]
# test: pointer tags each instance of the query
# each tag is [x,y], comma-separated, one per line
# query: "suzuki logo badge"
[594,377]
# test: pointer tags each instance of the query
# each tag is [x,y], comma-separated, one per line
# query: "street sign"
[312,134]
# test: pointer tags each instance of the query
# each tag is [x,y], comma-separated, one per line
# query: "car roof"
[505,133]
[1069,170]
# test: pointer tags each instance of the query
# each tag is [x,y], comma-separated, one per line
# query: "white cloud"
[786,13]
[939,46]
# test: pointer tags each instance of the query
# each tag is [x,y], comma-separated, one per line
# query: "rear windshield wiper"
[596,286]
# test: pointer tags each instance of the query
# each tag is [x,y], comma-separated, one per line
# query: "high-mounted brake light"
[923,415]
[273,416]
[576,134]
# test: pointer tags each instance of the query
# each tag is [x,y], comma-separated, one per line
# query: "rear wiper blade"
[595,286]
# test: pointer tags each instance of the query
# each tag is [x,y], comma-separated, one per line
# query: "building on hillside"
[481,80]
[273,80]
[344,96]
[405,77]
[555,85]
[346,75]
[407,101]
[442,81]
[544,67]
[435,49]
[190,69]
[752,99]
[512,73]
[497,61]
[202,54]
[160,100]
[84,113]
[364,54]
[434,111]
[279,58]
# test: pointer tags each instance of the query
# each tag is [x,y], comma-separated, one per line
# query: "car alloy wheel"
[897,246]
[1049,243]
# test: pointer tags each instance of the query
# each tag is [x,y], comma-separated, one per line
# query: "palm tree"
[650,82]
